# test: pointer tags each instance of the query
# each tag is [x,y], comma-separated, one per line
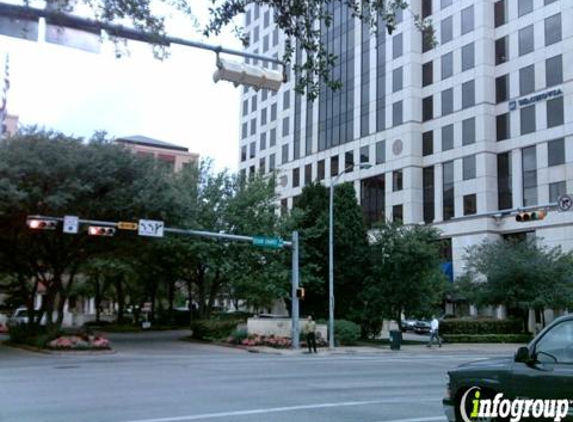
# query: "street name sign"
[151,228]
[71,224]
[127,225]
[268,242]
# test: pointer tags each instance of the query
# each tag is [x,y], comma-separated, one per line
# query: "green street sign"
[268,242]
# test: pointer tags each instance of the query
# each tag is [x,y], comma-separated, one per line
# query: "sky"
[175,100]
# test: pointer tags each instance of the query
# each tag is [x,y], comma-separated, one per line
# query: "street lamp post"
[331,251]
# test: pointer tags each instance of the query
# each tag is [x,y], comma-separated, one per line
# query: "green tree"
[521,275]
[405,276]
[47,173]
[350,249]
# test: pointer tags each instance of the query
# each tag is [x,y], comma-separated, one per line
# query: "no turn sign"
[565,203]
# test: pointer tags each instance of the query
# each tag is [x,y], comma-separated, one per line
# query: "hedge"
[487,338]
[346,333]
[481,326]
[211,329]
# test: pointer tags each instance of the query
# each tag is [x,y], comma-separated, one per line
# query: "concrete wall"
[279,327]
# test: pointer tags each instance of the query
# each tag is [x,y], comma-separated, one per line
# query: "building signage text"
[524,102]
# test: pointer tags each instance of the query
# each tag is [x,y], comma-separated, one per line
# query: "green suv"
[541,373]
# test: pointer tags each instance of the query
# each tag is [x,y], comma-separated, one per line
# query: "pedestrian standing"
[309,330]
[435,332]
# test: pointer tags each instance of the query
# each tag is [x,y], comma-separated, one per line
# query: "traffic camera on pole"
[41,224]
[101,231]
[246,74]
[524,217]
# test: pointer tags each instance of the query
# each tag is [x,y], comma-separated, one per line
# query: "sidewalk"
[503,349]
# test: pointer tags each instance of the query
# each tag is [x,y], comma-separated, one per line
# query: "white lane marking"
[279,410]
[433,418]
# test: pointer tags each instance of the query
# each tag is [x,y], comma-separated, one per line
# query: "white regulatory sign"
[71,223]
[565,203]
[150,228]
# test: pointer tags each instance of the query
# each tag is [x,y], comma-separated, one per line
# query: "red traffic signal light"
[41,224]
[524,217]
[101,231]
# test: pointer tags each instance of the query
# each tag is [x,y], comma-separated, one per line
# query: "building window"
[428,143]
[500,13]
[526,80]
[502,126]
[470,204]
[502,88]
[252,150]
[526,43]
[364,155]
[380,152]
[273,140]
[427,74]
[243,153]
[273,112]
[448,189]
[556,190]
[263,141]
[284,154]
[469,131]
[398,213]
[447,65]
[244,131]
[469,167]
[549,2]
[524,7]
[426,8]
[272,162]
[447,101]
[320,173]
[251,172]
[428,108]
[428,194]
[554,71]
[397,46]
[286,100]
[397,114]
[468,94]
[555,112]
[373,199]
[284,206]
[427,40]
[349,161]
[245,107]
[468,57]
[446,30]
[334,166]
[447,137]
[307,174]
[529,165]
[262,165]
[254,103]
[504,188]
[556,152]
[501,50]
[553,29]
[248,18]
[295,177]
[253,126]
[397,79]
[397,180]
[446,3]
[266,19]
[527,115]
[467,20]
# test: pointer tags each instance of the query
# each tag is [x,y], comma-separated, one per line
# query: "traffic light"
[41,224]
[524,217]
[300,292]
[249,75]
[101,231]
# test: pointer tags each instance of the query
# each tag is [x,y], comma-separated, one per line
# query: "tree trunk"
[120,299]
[189,299]
[97,298]
[171,299]
[200,275]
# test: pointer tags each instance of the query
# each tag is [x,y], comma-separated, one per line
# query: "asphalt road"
[153,377]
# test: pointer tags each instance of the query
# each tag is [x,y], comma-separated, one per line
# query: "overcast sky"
[175,100]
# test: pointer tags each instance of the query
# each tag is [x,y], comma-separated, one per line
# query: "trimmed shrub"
[346,333]
[210,329]
[481,326]
[29,335]
[487,338]
[238,335]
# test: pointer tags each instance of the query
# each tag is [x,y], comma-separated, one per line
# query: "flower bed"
[79,343]
[269,341]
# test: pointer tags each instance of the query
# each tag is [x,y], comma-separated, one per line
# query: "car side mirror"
[522,355]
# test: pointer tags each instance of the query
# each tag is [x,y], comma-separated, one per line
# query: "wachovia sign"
[524,102]
[515,410]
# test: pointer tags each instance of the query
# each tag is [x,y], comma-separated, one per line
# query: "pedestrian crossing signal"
[524,217]
[300,293]
[101,231]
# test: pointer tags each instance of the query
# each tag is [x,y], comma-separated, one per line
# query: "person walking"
[434,332]
[310,331]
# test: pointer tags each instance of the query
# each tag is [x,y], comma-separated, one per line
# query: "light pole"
[331,251]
